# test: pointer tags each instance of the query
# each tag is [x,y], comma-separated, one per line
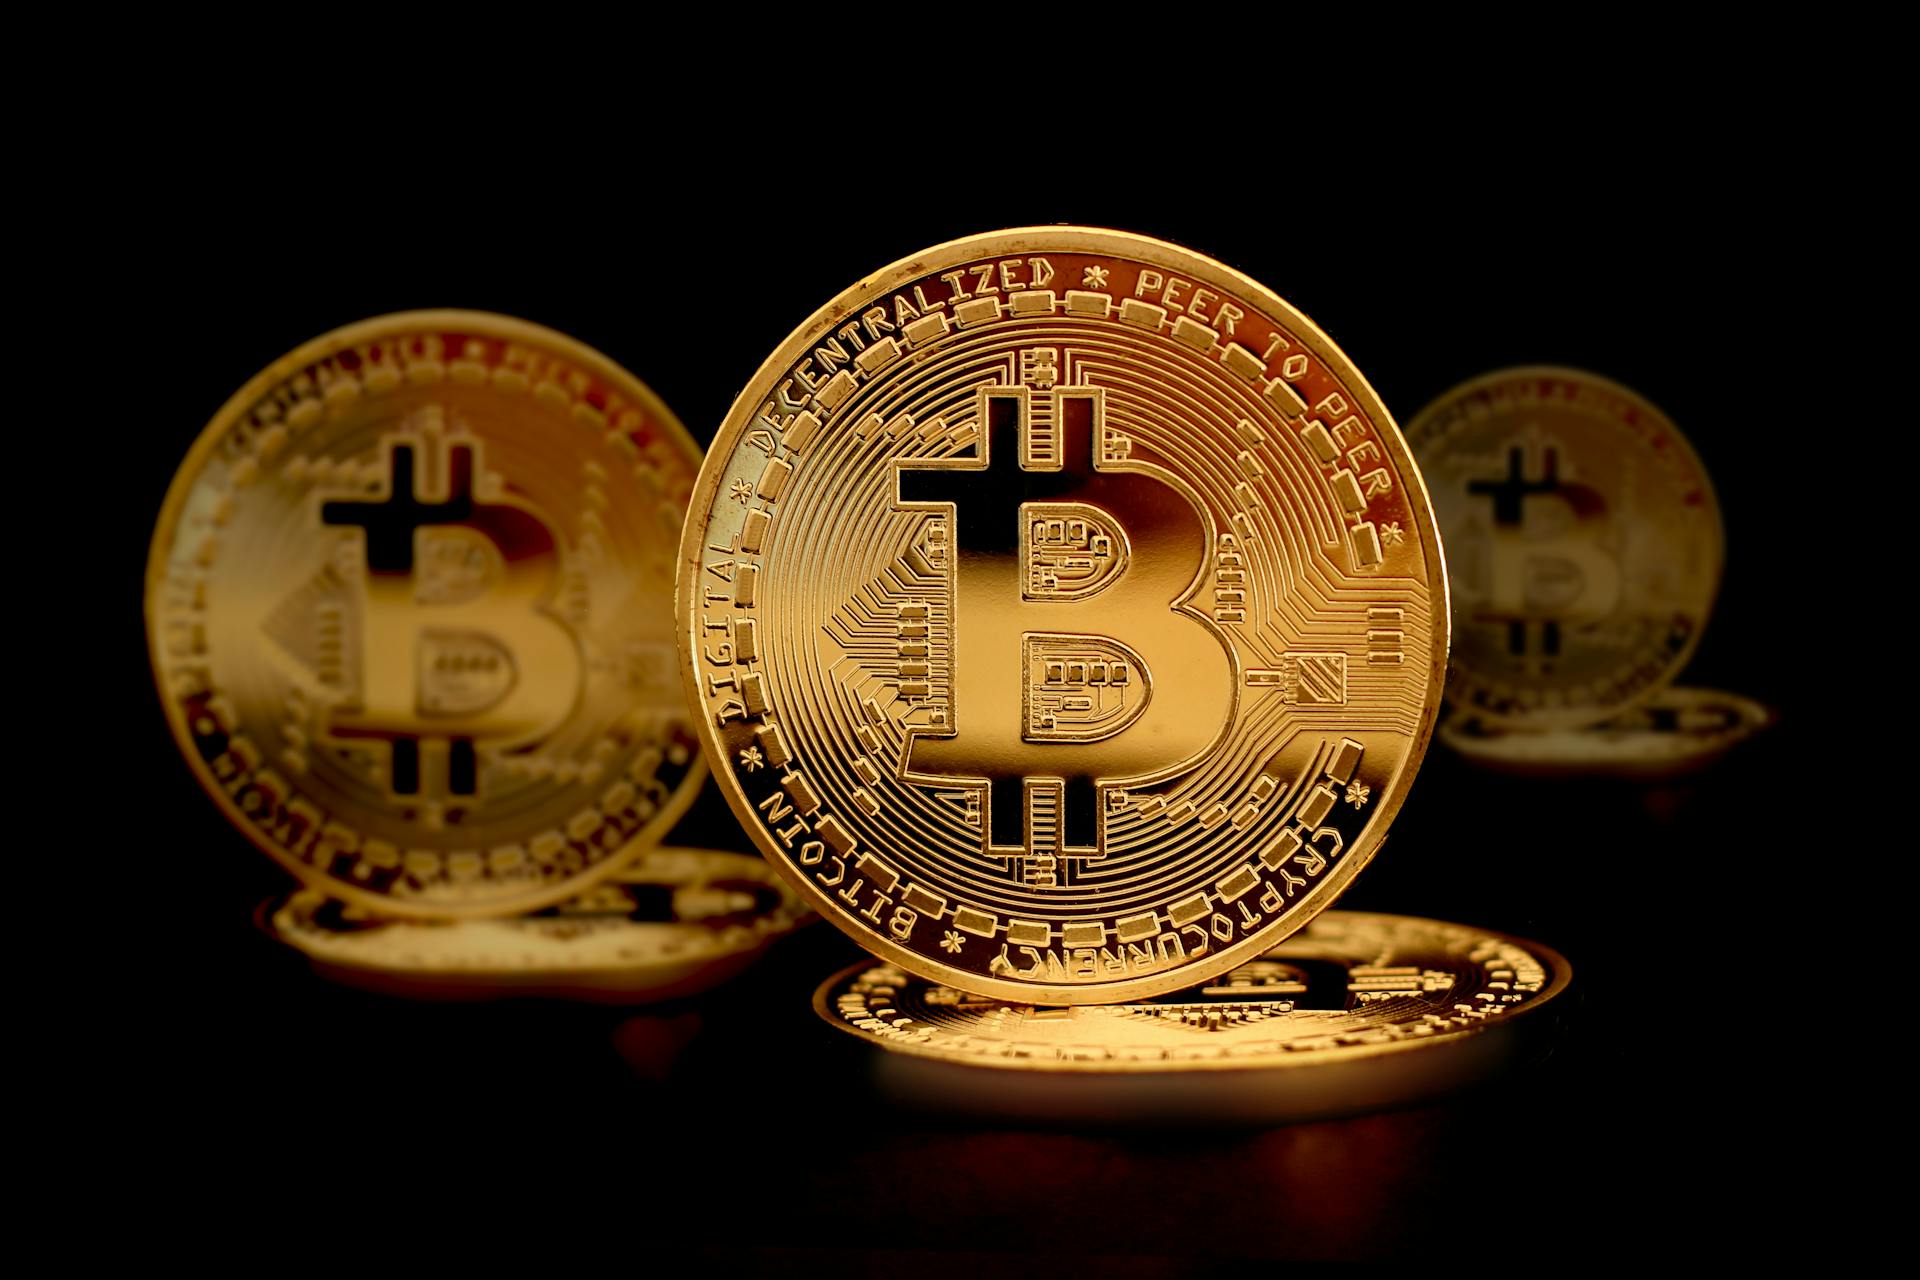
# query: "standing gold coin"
[1355,1012]
[1583,543]
[406,608]
[1064,615]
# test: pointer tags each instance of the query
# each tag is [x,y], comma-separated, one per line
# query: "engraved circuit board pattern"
[1065,614]
[1583,544]
[1351,984]
[406,604]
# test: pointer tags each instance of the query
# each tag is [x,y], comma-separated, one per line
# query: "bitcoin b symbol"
[1055,547]
[1547,567]
[454,645]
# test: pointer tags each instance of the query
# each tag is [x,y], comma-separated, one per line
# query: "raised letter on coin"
[1064,615]
[407,611]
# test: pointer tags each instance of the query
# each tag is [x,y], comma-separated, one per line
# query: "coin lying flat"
[1065,614]
[406,609]
[1357,1011]
[1672,733]
[674,922]
[1583,544]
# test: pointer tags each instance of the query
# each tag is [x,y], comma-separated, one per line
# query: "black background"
[737,1123]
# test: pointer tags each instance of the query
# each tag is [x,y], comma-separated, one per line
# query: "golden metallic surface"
[1354,1012]
[1674,732]
[1583,544]
[406,606]
[1064,614]
[671,923]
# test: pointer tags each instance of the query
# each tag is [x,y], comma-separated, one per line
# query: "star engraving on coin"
[1356,1012]
[1063,618]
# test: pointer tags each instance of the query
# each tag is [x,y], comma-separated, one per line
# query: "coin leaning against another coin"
[1355,1012]
[672,923]
[1583,544]
[1064,615]
[406,611]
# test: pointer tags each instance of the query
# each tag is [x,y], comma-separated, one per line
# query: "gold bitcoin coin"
[1355,1012]
[1583,544]
[673,922]
[1674,732]
[406,605]
[1064,615]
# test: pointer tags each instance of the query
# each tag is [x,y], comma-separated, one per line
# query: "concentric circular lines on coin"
[1351,985]
[1063,613]
[671,923]
[406,606]
[1583,540]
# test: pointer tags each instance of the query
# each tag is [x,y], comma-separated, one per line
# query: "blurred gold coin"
[673,922]
[1672,733]
[407,609]
[1357,1011]
[1583,544]
[1064,613]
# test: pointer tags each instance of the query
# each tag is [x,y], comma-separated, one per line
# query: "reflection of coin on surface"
[653,1044]
[1674,733]
[676,922]
[1356,1013]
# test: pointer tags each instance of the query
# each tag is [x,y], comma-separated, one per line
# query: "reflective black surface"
[701,1125]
